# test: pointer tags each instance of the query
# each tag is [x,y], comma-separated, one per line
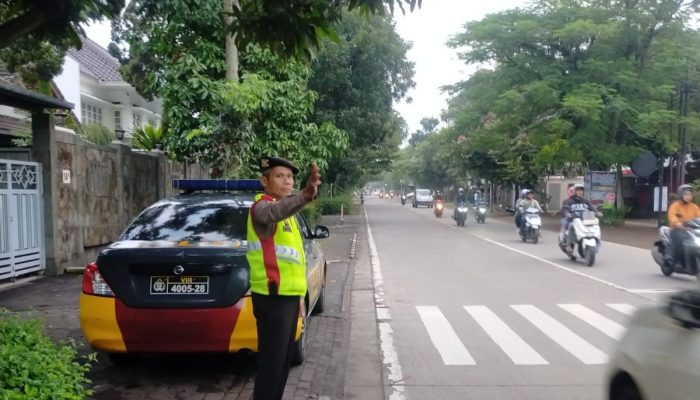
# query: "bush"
[331,206]
[148,137]
[98,134]
[614,216]
[312,213]
[34,367]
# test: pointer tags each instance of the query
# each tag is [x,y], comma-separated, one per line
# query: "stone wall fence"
[100,190]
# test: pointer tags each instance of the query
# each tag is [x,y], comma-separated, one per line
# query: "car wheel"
[122,359]
[321,301]
[299,352]
[624,388]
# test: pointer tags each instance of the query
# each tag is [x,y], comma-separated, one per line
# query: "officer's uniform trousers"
[277,318]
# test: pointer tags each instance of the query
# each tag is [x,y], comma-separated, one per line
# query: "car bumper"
[109,325]
[424,203]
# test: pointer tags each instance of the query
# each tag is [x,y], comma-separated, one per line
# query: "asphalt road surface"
[474,313]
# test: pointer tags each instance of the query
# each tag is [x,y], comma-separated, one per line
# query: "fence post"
[342,212]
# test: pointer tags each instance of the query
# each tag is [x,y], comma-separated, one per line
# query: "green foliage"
[312,213]
[176,50]
[614,216]
[148,137]
[98,134]
[571,86]
[22,139]
[357,78]
[332,205]
[34,35]
[33,367]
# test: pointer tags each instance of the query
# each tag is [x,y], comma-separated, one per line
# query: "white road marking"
[623,308]
[383,313]
[390,357]
[444,337]
[603,324]
[643,291]
[563,336]
[513,345]
[553,264]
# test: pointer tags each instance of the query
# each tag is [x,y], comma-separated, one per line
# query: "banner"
[601,187]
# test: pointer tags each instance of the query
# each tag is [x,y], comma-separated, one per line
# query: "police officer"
[277,270]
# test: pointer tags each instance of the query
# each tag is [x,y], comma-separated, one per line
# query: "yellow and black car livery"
[178,279]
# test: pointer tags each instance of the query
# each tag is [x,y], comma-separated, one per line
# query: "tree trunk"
[231,49]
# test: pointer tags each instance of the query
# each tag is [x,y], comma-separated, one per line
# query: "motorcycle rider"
[518,214]
[460,199]
[681,211]
[574,204]
[528,202]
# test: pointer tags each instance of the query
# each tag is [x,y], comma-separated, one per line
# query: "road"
[474,313]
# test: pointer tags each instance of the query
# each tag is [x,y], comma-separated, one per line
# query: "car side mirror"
[321,232]
[684,307]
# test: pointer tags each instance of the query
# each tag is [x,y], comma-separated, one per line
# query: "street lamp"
[119,134]
[59,118]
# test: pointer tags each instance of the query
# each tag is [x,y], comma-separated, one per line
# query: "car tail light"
[93,283]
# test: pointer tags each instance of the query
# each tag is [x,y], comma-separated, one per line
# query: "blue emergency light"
[218,184]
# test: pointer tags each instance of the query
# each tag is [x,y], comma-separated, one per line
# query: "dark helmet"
[682,189]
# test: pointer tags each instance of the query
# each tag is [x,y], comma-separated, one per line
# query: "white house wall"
[68,82]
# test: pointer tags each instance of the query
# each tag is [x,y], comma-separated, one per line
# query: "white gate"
[21,219]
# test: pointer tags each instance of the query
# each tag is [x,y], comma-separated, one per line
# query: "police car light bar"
[218,184]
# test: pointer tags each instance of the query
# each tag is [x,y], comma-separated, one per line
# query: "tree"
[566,77]
[357,79]
[176,51]
[35,34]
[428,127]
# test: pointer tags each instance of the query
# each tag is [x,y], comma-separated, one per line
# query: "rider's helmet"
[577,187]
[570,191]
[682,189]
[529,191]
[523,192]
[460,190]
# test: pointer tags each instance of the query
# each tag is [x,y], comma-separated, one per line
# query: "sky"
[428,28]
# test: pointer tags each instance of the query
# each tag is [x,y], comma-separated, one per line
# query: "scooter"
[460,215]
[584,233]
[403,199]
[533,223]
[480,212]
[439,206]
[662,248]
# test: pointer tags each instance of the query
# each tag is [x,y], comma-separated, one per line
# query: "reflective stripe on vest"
[277,264]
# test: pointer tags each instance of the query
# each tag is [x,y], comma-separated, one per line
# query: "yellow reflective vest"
[277,264]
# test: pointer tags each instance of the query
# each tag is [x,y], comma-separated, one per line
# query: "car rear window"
[204,221]
[424,192]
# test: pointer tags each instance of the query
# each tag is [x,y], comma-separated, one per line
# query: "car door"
[312,260]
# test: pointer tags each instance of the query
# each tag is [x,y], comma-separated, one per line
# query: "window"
[91,114]
[117,120]
[137,120]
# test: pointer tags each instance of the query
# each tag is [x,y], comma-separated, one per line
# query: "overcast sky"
[428,29]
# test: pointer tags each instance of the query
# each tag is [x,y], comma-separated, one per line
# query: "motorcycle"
[480,212]
[460,215]
[362,200]
[533,223]
[403,199]
[584,233]
[662,247]
[439,206]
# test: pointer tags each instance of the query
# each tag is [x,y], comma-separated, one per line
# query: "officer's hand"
[312,184]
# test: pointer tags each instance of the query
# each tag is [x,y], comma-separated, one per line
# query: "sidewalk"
[201,377]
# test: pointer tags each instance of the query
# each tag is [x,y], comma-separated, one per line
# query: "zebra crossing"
[454,351]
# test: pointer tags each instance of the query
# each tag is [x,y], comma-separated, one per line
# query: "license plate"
[589,243]
[179,285]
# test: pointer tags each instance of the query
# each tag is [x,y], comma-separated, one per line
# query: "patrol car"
[177,279]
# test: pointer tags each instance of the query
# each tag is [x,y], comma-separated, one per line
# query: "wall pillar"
[44,152]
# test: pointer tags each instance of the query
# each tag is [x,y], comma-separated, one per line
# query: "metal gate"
[21,219]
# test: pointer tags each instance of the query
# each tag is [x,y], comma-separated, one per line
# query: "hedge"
[331,206]
[33,367]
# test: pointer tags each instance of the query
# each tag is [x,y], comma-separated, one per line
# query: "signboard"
[664,199]
[600,187]
[66,176]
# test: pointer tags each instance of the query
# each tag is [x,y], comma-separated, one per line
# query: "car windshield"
[423,192]
[204,221]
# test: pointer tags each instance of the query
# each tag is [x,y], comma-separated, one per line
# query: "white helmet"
[524,192]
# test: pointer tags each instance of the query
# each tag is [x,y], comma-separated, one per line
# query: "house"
[91,80]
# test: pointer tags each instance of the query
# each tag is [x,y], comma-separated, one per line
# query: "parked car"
[177,280]
[658,356]
[422,197]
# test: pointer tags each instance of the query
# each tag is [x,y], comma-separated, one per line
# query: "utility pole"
[683,130]
[671,105]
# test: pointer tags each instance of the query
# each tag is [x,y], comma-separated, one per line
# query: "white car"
[423,198]
[658,358]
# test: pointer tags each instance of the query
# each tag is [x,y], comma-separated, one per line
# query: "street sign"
[664,199]
[645,164]
[601,187]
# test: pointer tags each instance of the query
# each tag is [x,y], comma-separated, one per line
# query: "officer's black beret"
[272,162]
